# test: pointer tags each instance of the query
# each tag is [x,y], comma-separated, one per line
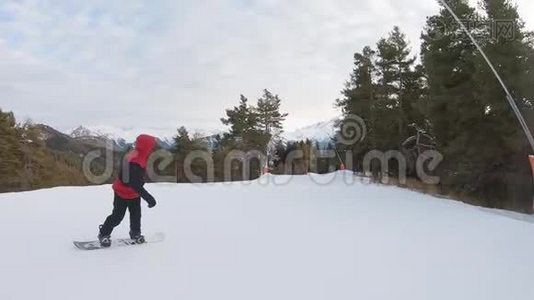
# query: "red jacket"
[144,145]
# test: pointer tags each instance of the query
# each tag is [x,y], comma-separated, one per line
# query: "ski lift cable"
[335,147]
[509,97]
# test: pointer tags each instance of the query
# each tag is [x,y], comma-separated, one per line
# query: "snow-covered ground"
[316,237]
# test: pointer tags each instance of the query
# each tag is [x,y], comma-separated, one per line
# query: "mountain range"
[100,136]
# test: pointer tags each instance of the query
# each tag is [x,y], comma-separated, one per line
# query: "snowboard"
[95,245]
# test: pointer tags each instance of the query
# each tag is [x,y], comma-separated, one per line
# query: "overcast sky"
[160,64]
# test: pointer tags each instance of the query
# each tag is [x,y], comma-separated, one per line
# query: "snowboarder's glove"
[151,202]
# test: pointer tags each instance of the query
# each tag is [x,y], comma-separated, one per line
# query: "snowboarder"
[128,189]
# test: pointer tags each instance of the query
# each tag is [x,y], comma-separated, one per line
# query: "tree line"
[450,92]
[252,128]
[26,163]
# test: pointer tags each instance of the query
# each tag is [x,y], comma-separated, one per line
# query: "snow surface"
[314,237]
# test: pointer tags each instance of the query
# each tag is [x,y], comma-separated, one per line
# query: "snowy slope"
[306,239]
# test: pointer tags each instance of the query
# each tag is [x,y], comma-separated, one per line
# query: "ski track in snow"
[301,240]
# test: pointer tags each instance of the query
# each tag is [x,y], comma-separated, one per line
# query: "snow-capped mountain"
[108,132]
[321,132]
[124,137]
[99,135]
[81,131]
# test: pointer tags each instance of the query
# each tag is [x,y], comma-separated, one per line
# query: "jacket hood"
[144,144]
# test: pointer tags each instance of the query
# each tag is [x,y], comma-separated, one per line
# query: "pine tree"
[399,86]
[26,163]
[185,145]
[244,125]
[241,118]
[359,99]
[509,52]
[269,116]
[450,63]
[477,133]
[270,121]
[11,155]
[182,142]
[245,135]
[504,143]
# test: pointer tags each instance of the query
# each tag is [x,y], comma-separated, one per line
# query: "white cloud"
[160,64]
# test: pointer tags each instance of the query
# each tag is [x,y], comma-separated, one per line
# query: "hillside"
[266,240]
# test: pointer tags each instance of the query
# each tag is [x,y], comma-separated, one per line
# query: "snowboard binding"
[137,237]
[105,240]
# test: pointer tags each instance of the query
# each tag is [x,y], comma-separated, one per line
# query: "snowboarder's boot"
[105,240]
[137,237]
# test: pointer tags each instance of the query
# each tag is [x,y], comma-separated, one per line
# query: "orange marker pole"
[531,159]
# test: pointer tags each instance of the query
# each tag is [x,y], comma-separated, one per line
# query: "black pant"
[119,210]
